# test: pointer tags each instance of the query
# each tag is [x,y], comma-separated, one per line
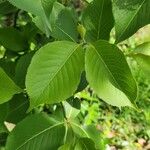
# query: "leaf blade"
[58,70]
[114,81]
[98,20]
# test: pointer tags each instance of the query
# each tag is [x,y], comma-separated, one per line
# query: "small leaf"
[109,75]
[7,87]
[129,17]
[55,68]
[98,20]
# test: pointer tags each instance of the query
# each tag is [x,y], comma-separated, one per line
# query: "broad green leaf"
[54,72]
[37,132]
[21,69]
[98,20]
[14,110]
[130,15]
[12,39]
[142,55]
[109,75]
[7,87]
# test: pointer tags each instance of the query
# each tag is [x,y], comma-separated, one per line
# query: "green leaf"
[54,72]
[142,55]
[94,134]
[48,6]
[109,75]
[12,39]
[98,20]
[130,16]
[40,8]
[85,144]
[64,25]
[37,132]
[44,133]
[21,69]
[7,87]
[33,7]
[70,111]
[76,134]
[89,132]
